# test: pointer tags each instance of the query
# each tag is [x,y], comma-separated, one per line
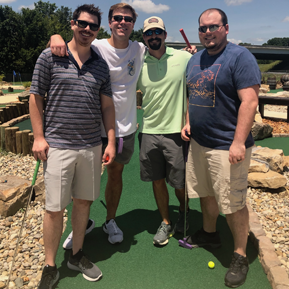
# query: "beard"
[155,46]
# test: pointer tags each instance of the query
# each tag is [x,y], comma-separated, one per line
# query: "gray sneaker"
[79,262]
[50,276]
[180,224]
[163,234]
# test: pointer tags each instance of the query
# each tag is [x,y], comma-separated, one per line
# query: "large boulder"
[24,93]
[270,180]
[258,117]
[14,193]
[274,157]
[261,130]
[258,166]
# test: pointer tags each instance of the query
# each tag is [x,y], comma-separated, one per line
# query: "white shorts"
[209,173]
[71,173]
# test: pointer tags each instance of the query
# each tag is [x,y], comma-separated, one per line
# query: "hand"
[237,153]
[186,132]
[58,46]
[192,50]
[40,149]
[109,155]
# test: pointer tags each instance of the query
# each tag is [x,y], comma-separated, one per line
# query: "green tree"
[136,35]
[102,34]
[277,41]
[244,44]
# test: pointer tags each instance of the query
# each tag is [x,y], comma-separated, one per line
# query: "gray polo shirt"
[72,116]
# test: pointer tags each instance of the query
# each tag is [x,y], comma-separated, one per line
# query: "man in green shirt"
[163,83]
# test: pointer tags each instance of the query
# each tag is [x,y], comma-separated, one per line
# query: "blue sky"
[252,21]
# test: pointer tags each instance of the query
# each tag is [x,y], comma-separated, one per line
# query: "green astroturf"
[5,91]
[136,263]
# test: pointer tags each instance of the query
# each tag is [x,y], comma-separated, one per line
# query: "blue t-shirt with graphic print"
[212,83]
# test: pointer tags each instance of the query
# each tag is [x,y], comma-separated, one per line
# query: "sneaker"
[50,276]
[180,224]
[201,239]
[67,244]
[237,273]
[115,234]
[79,262]
[163,234]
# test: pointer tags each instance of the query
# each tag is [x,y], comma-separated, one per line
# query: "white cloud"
[286,19]
[235,41]
[258,40]
[6,1]
[30,7]
[169,39]
[236,2]
[147,6]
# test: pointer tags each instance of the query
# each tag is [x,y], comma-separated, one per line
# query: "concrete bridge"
[259,51]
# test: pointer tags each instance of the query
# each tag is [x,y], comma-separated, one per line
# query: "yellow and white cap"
[153,22]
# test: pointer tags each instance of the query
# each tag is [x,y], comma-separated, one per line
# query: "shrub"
[27,84]
[1,77]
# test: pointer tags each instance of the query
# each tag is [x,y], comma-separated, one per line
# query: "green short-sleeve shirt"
[163,83]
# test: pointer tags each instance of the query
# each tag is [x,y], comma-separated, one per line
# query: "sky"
[250,21]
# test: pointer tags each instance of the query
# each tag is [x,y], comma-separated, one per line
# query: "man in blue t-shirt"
[223,82]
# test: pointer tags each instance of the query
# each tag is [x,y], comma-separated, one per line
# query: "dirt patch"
[279,126]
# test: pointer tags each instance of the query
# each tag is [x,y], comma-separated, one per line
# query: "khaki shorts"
[71,173]
[209,173]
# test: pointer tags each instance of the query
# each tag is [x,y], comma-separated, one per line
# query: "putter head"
[183,243]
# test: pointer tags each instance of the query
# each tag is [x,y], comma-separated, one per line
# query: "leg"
[52,231]
[210,212]
[239,226]
[113,188]
[162,199]
[180,194]
[79,219]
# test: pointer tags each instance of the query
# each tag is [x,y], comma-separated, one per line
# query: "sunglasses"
[119,18]
[212,28]
[83,24]
[158,31]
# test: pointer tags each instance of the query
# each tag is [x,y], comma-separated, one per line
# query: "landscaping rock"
[274,157]
[261,130]
[270,180]
[258,166]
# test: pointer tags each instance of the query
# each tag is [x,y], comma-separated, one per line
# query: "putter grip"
[35,172]
[185,38]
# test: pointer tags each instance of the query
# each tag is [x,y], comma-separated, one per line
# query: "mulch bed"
[279,126]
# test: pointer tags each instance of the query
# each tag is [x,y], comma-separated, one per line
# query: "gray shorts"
[161,157]
[71,173]
[127,148]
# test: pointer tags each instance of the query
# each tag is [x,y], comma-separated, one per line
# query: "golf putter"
[183,242]
[27,207]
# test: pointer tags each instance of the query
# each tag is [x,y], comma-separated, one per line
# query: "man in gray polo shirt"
[68,141]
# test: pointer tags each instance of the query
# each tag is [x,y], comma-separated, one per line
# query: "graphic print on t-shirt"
[131,67]
[201,86]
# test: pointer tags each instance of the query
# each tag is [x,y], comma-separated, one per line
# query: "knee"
[81,203]
[54,215]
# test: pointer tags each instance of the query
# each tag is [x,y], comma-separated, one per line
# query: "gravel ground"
[272,209]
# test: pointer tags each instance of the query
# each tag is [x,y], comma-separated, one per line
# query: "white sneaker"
[115,234]
[67,244]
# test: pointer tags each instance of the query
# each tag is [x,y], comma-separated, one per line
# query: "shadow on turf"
[97,247]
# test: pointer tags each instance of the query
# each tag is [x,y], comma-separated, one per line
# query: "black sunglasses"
[118,18]
[83,24]
[158,31]
[212,28]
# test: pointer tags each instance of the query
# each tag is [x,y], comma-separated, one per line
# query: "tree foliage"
[25,34]
[277,41]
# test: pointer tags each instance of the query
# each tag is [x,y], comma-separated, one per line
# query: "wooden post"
[19,109]
[18,142]
[26,105]
[11,111]
[13,138]
[31,140]
[8,113]
[2,116]
[5,114]
[8,134]
[14,109]
[3,127]
[25,142]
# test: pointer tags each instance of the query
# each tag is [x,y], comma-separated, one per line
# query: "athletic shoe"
[237,273]
[180,224]
[115,234]
[67,244]
[50,276]
[202,238]
[163,234]
[79,262]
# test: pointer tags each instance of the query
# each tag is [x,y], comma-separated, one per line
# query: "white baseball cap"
[153,22]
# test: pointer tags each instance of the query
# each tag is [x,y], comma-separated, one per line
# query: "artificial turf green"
[136,263]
